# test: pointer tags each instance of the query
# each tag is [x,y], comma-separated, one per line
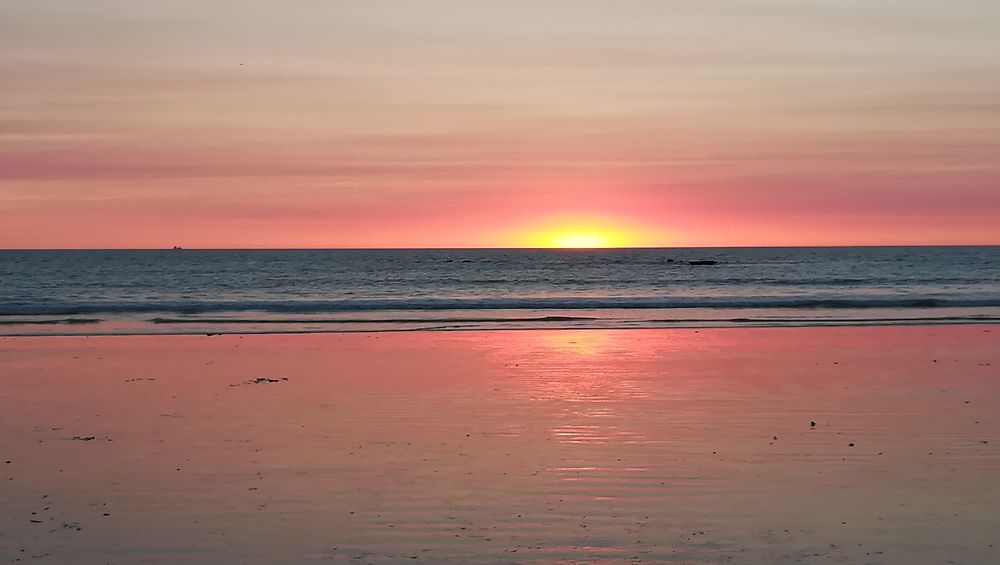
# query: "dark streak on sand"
[260,380]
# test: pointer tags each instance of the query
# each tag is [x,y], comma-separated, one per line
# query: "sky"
[473,123]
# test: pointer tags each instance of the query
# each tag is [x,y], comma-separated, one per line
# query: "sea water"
[221,291]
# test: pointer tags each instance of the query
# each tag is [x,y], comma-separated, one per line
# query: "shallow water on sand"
[505,446]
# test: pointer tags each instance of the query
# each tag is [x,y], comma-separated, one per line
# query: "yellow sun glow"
[579,240]
[578,236]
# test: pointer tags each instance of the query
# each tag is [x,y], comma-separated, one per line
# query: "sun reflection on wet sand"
[582,342]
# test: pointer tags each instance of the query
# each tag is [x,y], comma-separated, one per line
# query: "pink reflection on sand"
[482,443]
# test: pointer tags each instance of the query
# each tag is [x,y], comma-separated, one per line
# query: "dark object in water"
[177,248]
[703,262]
[812,424]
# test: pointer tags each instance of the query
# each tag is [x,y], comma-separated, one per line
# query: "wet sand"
[505,446]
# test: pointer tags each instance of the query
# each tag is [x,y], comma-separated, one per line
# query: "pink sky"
[469,123]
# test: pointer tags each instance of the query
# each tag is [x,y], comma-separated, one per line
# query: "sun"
[579,240]
[577,233]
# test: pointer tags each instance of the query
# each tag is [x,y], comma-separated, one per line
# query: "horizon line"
[180,248]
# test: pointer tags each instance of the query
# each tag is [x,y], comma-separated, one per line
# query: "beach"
[472,282]
[766,445]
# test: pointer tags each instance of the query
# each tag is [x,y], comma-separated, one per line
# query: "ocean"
[95,292]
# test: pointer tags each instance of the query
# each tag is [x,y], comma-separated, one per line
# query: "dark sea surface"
[223,291]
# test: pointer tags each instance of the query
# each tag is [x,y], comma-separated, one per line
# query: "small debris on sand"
[261,380]
[84,438]
[812,424]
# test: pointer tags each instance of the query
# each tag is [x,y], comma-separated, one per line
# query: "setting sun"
[579,240]
[582,233]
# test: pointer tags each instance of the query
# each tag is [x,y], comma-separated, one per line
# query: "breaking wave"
[50,308]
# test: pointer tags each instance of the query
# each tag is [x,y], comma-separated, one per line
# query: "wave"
[257,326]
[310,321]
[584,320]
[50,308]
[48,321]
